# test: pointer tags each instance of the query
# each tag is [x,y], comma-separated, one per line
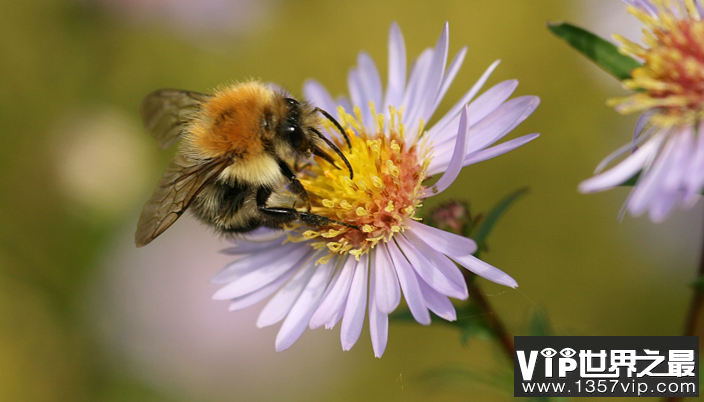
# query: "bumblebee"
[235,167]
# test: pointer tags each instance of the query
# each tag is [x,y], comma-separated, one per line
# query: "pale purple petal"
[438,260]
[493,127]
[641,124]
[695,179]
[397,69]
[336,296]
[436,302]
[409,284]
[260,294]
[337,271]
[501,122]
[251,247]
[478,109]
[297,319]
[371,82]
[445,277]
[410,98]
[354,86]
[345,103]
[485,154]
[624,170]
[263,275]
[485,270]
[455,110]
[490,100]
[337,315]
[653,179]
[450,75]
[279,306]
[357,95]
[316,93]
[388,292]
[631,146]
[644,5]
[356,305]
[680,160]
[500,149]
[243,266]
[261,234]
[256,240]
[433,78]
[378,322]
[662,205]
[442,241]
[455,162]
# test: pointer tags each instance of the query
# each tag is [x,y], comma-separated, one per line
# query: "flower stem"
[492,318]
[694,323]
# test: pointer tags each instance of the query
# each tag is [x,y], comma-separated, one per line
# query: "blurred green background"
[84,316]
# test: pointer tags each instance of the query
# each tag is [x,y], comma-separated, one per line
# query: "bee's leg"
[319,220]
[283,215]
[278,216]
[296,187]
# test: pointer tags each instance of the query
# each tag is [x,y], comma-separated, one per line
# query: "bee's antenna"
[339,127]
[337,151]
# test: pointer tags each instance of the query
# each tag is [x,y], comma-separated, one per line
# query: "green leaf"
[602,52]
[539,324]
[470,322]
[487,224]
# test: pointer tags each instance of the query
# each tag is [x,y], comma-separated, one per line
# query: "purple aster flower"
[320,276]
[667,148]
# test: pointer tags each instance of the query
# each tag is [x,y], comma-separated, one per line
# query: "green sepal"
[602,52]
[481,231]
[539,325]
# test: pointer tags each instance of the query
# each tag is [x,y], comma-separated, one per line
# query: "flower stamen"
[385,190]
[670,79]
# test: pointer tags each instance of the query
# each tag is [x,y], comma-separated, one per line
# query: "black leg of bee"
[287,215]
[284,215]
[296,187]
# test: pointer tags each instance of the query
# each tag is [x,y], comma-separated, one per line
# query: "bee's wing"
[164,113]
[181,182]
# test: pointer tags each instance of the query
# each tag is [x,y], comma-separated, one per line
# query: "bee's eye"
[297,138]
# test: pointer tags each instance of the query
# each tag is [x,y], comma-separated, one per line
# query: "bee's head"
[296,128]
[299,130]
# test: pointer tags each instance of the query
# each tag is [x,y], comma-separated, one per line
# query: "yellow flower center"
[388,175]
[671,80]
